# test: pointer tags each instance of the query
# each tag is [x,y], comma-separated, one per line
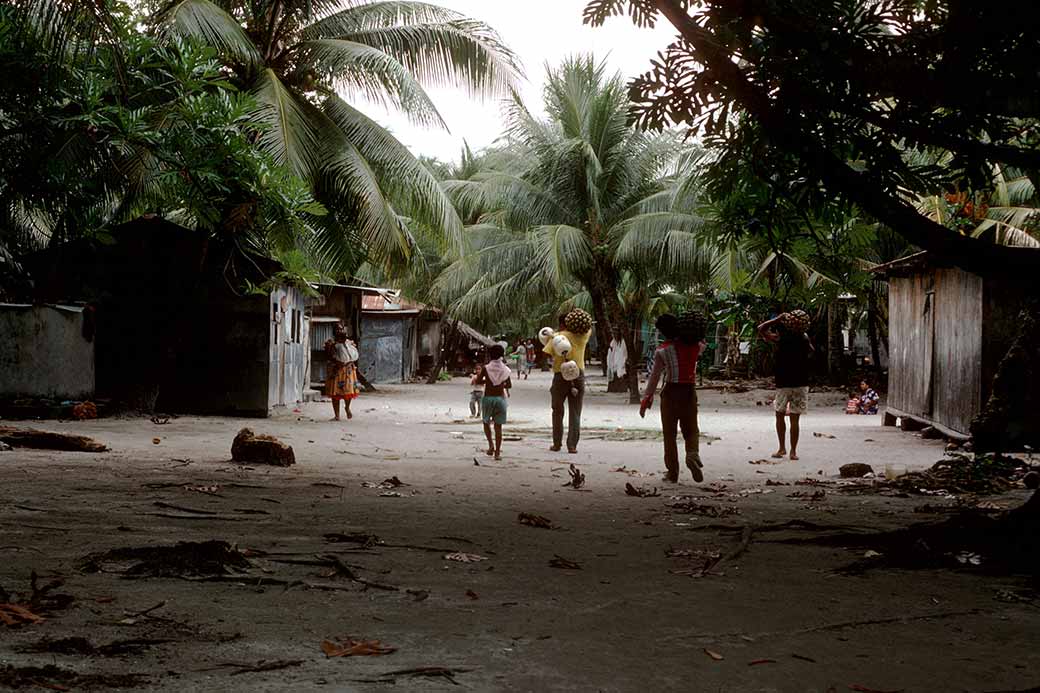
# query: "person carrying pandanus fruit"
[675,362]
[567,348]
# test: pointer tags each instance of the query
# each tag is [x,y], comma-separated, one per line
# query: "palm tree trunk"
[835,342]
[449,341]
[622,330]
[603,331]
[872,331]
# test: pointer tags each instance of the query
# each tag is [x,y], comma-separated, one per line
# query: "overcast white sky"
[539,31]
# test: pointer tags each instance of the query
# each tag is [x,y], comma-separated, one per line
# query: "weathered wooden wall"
[910,324]
[957,372]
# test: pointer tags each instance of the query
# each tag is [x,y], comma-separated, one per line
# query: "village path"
[630,619]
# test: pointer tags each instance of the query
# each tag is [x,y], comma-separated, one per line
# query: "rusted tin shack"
[948,330]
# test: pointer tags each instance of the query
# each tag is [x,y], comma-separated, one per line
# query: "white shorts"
[792,400]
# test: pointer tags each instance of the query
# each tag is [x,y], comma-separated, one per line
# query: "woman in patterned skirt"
[341,382]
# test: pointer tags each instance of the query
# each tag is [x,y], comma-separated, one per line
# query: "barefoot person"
[495,377]
[675,362]
[567,348]
[793,350]
[341,382]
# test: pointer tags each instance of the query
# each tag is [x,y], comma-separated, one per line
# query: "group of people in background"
[674,367]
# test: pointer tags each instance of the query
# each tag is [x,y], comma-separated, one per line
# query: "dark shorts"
[494,409]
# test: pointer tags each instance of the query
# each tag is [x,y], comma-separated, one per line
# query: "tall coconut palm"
[576,207]
[304,61]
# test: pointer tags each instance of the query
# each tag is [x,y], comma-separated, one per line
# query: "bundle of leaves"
[959,473]
[186,558]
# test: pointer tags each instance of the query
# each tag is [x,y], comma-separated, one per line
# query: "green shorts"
[494,409]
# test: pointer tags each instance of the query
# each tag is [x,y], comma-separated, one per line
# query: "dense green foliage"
[876,104]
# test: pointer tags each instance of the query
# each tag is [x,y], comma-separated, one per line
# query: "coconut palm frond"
[564,251]
[292,132]
[668,242]
[359,69]
[458,52]
[374,15]
[208,22]
[414,191]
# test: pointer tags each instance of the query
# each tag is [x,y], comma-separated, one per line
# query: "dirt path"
[631,618]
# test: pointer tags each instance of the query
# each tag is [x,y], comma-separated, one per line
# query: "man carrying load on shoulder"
[567,348]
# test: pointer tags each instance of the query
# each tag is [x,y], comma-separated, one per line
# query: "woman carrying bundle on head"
[675,362]
[341,382]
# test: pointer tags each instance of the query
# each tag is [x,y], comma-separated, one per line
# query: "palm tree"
[303,60]
[576,208]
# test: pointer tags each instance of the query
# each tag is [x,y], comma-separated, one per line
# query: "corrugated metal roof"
[365,289]
[903,264]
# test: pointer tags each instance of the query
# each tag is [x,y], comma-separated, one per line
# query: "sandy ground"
[779,616]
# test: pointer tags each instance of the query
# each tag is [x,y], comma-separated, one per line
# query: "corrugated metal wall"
[290,348]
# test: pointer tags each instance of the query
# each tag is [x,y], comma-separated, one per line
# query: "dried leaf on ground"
[824,435]
[264,666]
[18,615]
[365,540]
[577,477]
[770,482]
[713,654]
[809,495]
[350,647]
[392,482]
[211,490]
[623,469]
[766,461]
[641,492]
[424,672]
[184,559]
[708,554]
[532,520]
[461,557]
[560,562]
[753,662]
[693,508]
[472,595]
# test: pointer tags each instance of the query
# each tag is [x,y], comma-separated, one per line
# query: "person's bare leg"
[794,436]
[781,434]
[346,406]
[335,408]
[498,441]
[491,444]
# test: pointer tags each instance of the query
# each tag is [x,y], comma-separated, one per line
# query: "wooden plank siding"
[910,325]
[957,369]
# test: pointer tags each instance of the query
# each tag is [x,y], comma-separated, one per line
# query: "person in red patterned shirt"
[675,362]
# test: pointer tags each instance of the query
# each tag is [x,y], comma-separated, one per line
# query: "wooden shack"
[948,330]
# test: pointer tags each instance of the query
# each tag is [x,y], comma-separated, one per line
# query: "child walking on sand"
[476,394]
[495,377]
[675,361]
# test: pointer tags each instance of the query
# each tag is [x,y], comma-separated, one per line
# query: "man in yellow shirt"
[569,392]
